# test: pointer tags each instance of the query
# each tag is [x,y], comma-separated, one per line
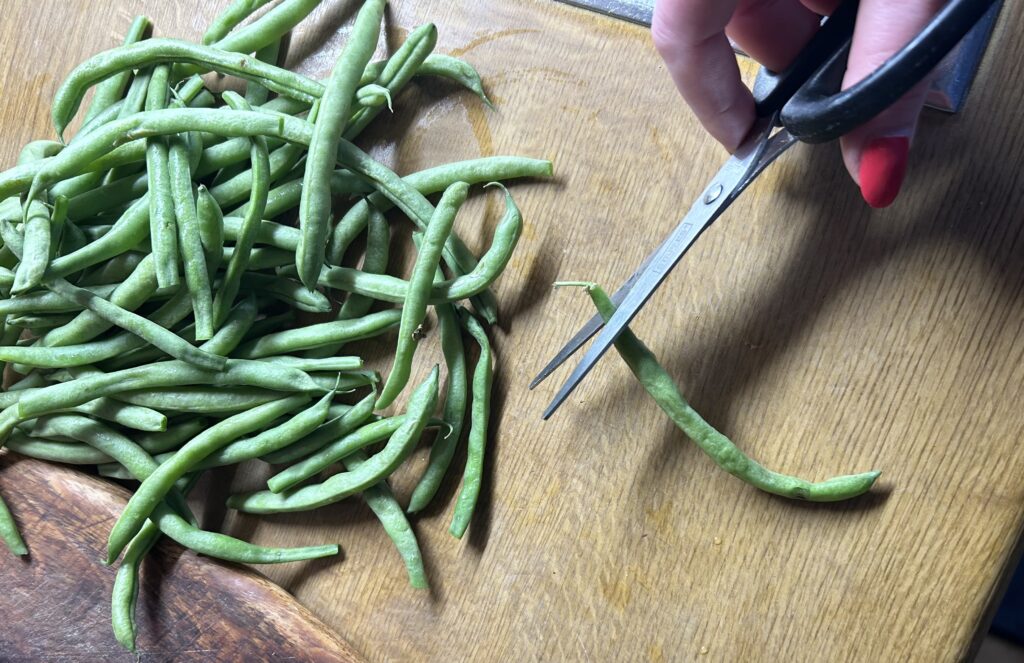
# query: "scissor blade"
[590,328]
[730,181]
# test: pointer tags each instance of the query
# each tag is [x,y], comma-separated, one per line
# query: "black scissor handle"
[808,95]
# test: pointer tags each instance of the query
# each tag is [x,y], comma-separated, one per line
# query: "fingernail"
[882,167]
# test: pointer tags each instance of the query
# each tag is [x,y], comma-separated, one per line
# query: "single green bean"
[237,372]
[246,235]
[48,302]
[70,453]
[315,202]
[193,258]
[454,413]
[371,433]
[125,593]
[159,51]
[288,291]
[460,71]
[176,435]
[38,323]
[115,270]
[256,94]
[373,96]
[659,384]
[155,487]
[382,502]
[200,400]
[337,487]
[414,309]
[162,226]
[338,427]
[109,91]
[480,412]
[9,531]
[267,28]
[312,336]
[271,439]
[103,198]
[228,20]
[162,338]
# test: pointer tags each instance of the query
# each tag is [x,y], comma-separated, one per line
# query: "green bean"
[268,28]
[240,186]
[480,412]
[70,453]
[384,505]
[38,322]
[48,302]
[130,229]
[274,234]
[108,196]
[315,202]
[336,428]
[166,340]
[92,352]
[659,384]
[288,291]
[109,92]
[115,270]
[454,413]
[337,487]
[373,96]
[375,261]
[154,487]
[246,235]
[136,289]
[173,437]
[73,238]
[256,94]
[135,98]
[318,364]
[200,400]
[113,444]
[197,275]
[237,372]
[414,309]
[271,439]
[345,381]
[162,226]
[35,250]
[227,20]
[211,228]
[371,433]
[160,51]
[125,593]
[313,336]
[393,289]
[397,72]
[268,258]
[9,531]
[460,71]
[130,416]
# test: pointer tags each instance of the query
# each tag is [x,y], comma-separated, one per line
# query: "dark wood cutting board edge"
[56,601]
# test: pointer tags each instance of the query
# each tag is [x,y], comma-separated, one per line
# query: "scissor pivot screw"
[712,194]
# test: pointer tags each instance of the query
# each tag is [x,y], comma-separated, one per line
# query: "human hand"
[691,36]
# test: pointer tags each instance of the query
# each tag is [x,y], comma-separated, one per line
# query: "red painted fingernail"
[882,167]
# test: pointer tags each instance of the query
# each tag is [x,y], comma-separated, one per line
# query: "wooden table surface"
[822,336]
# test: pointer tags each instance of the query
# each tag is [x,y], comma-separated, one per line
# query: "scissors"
[803,103]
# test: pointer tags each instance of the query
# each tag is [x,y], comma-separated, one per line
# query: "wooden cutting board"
[823,337]
[56,600]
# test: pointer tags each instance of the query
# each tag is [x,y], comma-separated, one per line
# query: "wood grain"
[56,601]
[823,337]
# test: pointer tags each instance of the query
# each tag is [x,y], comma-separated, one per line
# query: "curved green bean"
[211,228]
[155,487]
[109,91]
[246,236]
[337,487]
[159,51]
[659,384]
[315,201]
[480,410]
[162,338]
[312,336]
[414,309]
[9,531]
[229,18]
[384,505]
[337,427]
[237,372]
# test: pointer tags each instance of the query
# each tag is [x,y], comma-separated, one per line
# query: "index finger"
[690,36]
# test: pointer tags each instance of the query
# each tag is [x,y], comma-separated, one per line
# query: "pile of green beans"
[180,288]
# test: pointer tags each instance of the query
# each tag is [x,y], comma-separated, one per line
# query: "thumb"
[875,153]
